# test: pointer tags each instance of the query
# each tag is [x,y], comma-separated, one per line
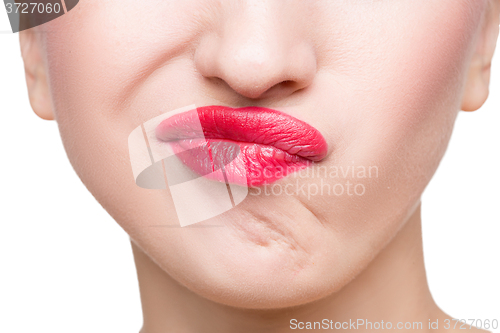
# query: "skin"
[383,81]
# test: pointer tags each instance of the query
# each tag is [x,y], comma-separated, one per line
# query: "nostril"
[288,83]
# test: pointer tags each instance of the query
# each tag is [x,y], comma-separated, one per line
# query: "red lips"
[248,146]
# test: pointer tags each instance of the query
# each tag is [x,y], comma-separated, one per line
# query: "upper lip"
[248,124]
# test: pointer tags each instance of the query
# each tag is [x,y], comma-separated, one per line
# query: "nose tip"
[257,62]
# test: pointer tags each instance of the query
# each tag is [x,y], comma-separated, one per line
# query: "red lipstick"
[249,146]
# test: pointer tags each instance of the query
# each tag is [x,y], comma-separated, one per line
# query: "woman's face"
[381,80]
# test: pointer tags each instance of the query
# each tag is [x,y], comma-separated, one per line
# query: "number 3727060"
[469,323]
[33,8]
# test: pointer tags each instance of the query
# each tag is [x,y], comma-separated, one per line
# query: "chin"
[264,287]
[259,268]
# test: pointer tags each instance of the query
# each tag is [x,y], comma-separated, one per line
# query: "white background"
[66,266]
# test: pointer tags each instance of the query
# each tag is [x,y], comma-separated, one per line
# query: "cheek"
[397,91]
[98,59]
[415,88]
[94,59]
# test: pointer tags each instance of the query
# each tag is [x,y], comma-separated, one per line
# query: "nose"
[258,51]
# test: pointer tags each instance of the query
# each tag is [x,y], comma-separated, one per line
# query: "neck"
[393,288]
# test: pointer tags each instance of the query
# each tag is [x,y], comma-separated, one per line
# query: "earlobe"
[36,77]
[478,80]
[477,86]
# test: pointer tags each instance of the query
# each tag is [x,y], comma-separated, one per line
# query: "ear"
[478,80]
[36,74]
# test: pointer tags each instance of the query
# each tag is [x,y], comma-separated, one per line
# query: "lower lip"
[241,163]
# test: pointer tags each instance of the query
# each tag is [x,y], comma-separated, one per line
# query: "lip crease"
[250,146]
